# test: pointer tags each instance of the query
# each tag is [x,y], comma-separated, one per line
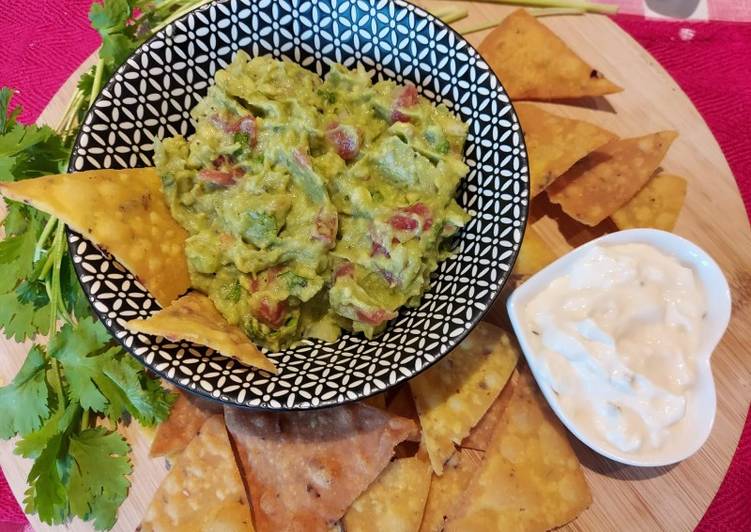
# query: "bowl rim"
[700,261]
[197,390]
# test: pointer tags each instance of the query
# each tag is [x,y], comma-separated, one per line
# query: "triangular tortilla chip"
[530,478]
[479,437]
[187,416]
[452,396]
[656,205]
[304,469]
[122,212]
[203,491]
[194,318]
[555,143]
[395,501]
[446,491]
[534,254]
[606,179]
[533,63]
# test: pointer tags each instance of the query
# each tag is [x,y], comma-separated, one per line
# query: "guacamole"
[313,205]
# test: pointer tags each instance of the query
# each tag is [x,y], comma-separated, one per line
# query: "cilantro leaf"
[77,350]
[98,483]
[109,14]
[17,257]
[46,494]
[23,402]
[34,443]
[132,391]
[116,48]
[33,293]
[21,321]
[73,297]
[7,116]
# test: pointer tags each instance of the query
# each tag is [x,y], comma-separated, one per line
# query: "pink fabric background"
[42,42]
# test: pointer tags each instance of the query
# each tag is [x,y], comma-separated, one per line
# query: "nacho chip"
[124,213]
[304,469]
[194,318]
[452,396]
[606,179]
[656,205]
[479,437]
[533,63]
[184,423]
[530,478]
[377,401]
[395,501]
[555,143]
[446,490]
[203,491]
[534,254]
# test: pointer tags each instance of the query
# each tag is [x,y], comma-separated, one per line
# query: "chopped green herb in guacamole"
[313,206]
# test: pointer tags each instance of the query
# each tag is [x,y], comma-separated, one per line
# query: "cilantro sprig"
[70,395]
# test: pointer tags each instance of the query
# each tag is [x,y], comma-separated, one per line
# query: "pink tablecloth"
[44,41]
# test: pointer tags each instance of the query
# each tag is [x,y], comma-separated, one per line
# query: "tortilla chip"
[606,179]
[194,318]
[304,469]
[534,254]
[122,212]
[656,205]
[203,491]
[555,143]
[479,437]
[530,478]
[452,396]
[446,490]
[184,423]
[377,401]
[533,63]
[395,501]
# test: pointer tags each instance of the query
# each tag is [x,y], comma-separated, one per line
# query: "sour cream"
[617,339]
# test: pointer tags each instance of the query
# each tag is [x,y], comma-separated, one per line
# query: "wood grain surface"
[625,498]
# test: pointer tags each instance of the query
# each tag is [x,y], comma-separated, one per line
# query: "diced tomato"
[423,211]
[244,124]
[272,313]
[264,279]
[378,249]
[389,277]
[402,222]
[345,269]
[217,177]
[374,317]
[327,223]
[407,97]
[344,139]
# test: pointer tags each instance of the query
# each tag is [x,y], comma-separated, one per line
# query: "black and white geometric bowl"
[150,97]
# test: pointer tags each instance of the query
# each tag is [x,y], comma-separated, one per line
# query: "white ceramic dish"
[693,430]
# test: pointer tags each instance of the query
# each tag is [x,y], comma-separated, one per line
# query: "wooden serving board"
[668,498]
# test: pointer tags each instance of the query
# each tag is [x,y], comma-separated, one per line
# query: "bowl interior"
[151,96]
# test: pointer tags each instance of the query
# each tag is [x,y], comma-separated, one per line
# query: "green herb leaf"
[109,14]
[24,401]
[7,116]
[46,494]
[98,478]
[77,350]
[141,397]
[34,443]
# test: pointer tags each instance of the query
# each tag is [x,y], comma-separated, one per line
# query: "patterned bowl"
[150,97]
